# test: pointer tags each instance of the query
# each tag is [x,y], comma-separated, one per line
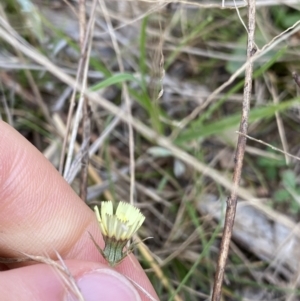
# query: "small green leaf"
[289,179]
[114,79]
[281,196]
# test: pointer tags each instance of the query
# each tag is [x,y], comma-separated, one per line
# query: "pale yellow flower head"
[117,228]
[120,225]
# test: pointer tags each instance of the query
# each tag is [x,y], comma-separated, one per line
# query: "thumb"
[43,282]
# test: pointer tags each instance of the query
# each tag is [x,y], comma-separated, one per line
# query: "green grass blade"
[218,127]
[114,79]
[143,58]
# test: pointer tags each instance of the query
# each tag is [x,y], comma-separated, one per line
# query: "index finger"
[40,213]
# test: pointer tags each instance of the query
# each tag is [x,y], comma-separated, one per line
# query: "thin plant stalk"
[239,157]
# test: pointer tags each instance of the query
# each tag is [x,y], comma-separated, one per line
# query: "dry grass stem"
[127,100]
[157,270]
[63,271]
[82,75]
[259,53]
[86,122]
[141,127]
[146,97]
[239,157]
[282,134]
[269,145]
[225,3]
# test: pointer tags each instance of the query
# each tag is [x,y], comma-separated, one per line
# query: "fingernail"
[105,285]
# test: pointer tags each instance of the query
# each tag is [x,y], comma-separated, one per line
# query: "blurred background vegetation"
[175,56]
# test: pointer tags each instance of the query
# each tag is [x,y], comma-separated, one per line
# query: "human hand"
[40,215]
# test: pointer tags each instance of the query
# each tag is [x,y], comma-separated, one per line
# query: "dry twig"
[296,78]
[239,157]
